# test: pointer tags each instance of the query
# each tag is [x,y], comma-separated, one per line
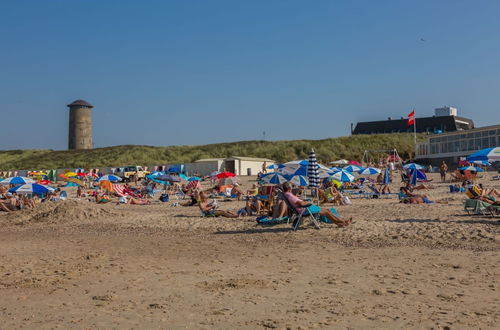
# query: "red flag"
[411,118]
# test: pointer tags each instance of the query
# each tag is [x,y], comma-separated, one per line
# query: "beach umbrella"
[157,173]
[299,167]
[44,182]
[489,155]
[183,177]
[273,178]
[70,174]
[413,177]
[75,181]
[369,171]
[482,162]
[17,180]
[228,181]
[353,168]
[343,176]
[194,178]
[275,166]
[109,177]
[413,166]
[387,176]
[169,178]
[354,162]
[31,188]
[298,180]
[223,175]
[471,168]
[313,170]
[340,162]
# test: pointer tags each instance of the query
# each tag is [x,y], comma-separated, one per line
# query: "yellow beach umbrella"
[70,174]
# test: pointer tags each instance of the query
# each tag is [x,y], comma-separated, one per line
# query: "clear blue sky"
[196,72]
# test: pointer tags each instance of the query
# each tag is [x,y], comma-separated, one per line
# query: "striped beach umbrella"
[17,180]
[369,171]
[488,154]
[313,170]
[273,178]
[353,168]
[109,177]
[471,168]
[31,188]
[298,180]
[343,176]
[413,166]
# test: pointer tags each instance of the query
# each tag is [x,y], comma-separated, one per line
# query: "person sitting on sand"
[102,198]
[209,210]
[254,191]
[307,208]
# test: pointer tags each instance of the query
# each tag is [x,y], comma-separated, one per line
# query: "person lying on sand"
[304,207]
[102,198]
[209,210]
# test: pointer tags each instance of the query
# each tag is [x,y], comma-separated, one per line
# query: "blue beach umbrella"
[343,176]
[109,177]
[369,171]
[387,176]
[313,170]
[157,173]
[488,154]
[31,188]
[413,166]
[194,178]
[169,178]
[183,177]
[273,178]
[353,168]
[413,177]
[298,180]
[17,180]
[471,168]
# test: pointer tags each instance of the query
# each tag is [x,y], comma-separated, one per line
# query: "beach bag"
[346,200]
[164,198]
[475,191]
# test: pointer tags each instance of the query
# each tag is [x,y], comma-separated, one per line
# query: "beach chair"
[296,217]
[478,207]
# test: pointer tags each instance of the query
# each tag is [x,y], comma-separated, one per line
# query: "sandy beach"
[75,264]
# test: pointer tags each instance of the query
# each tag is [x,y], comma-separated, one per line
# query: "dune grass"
[348,147]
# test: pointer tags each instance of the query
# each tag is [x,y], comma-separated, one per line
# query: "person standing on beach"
[264,167]
[442,170]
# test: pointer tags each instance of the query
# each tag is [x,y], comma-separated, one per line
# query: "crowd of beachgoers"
[279,193]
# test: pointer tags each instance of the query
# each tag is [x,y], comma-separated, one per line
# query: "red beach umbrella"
[224,175]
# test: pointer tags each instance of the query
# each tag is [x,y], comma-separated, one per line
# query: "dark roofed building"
[439,123]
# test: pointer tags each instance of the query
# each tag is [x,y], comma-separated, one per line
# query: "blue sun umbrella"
[353,168]
[183,177]
[413,177]
[488,154]
[369,171]
[273,178]
[194,178]
[387,176]
[298,180]
[413,166]
[157,173]
[31,188]
[343,176]
[17,180]
[169,178]
[109,177]
[471,168]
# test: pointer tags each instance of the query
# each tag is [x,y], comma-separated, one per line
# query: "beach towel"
[119,189]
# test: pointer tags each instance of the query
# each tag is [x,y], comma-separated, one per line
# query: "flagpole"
[415,133]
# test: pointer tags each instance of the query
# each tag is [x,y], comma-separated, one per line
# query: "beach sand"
[75,264]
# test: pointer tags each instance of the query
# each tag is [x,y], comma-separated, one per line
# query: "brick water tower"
[80,125]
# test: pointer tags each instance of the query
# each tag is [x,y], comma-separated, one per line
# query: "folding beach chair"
[477,207]
[296,217]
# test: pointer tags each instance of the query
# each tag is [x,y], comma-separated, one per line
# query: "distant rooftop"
[81,103]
